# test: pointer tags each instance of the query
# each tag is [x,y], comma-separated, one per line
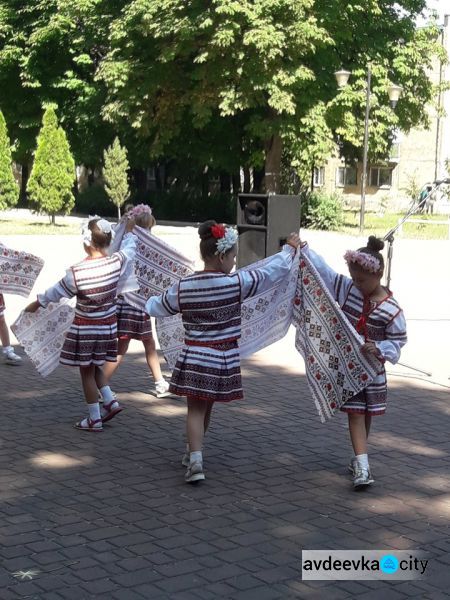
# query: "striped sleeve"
[337,284]
[65,288]
[396,338]
[165,305]
[127,250]
[258,280]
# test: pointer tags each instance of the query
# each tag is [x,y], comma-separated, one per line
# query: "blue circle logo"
[389,564]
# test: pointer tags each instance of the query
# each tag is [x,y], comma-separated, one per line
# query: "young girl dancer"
[92,338]
[10,356]
[135,324]
[208,368]
[376,315]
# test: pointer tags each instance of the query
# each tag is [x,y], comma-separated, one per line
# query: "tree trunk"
[118,212]
[273,149]
[25,174]
[205,185]
[258,180]
[82,178]
[53,219]
[225,183]
[246,171]
[236,183]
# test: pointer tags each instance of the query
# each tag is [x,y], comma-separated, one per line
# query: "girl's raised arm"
[337,284]
[165,305]
[258,280]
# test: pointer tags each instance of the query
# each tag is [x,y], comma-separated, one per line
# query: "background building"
[416,158]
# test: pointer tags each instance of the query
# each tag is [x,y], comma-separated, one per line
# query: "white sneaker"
[10,356]
[352,465]
[361,476]
[194,473]
[186,460]
[162,389]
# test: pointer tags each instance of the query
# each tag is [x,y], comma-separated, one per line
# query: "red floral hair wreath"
[218,231]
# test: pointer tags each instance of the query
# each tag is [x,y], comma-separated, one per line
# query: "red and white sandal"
[89,424]
[109,411]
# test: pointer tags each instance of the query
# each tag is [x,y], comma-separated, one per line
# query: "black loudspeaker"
[263,222]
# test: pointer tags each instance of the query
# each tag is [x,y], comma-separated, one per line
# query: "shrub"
[95,201]
[190,206]
[320,210]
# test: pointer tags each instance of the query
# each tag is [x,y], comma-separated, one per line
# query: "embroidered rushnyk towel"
[42,333]
[336,369]
[266,317]
[127,279]
[157,267]
[18,271]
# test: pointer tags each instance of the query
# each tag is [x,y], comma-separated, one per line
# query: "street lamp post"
[365,151]
[394,92]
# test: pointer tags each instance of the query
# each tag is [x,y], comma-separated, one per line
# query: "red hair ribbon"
[361,325]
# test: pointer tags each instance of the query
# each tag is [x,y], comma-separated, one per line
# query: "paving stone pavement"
[109,515]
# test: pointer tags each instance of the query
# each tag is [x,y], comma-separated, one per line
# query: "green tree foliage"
[9,190]
[50,51]
[115,174]
[53,175]
[221,84]
[268,65]
[242,63]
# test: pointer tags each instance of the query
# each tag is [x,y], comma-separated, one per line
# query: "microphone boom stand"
[389,238]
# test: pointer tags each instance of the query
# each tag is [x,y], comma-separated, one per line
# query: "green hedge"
[173,205]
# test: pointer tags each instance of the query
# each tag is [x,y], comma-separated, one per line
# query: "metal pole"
[365,151]
[389,237]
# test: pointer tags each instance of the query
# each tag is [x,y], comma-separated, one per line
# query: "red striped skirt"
[132,323]
[90,342]
[211,373]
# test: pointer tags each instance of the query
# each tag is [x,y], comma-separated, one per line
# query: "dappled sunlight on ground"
[166,411]
[56,460]
[407,445]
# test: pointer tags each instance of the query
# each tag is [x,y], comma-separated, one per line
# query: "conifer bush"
[50,187]
[9,189]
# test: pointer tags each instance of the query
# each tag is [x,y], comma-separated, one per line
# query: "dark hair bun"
[204,230]
[375,244]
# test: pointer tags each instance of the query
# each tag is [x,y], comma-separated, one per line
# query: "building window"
[345,176]
[319,176]
[380,177]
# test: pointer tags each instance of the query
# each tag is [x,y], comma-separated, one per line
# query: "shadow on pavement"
[109,515]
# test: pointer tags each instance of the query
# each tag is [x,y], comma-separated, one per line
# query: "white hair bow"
[102,224]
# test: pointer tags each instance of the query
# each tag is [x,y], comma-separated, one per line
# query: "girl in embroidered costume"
[92,339]
[376,315]
[135,324]
[208,368]
[8,351]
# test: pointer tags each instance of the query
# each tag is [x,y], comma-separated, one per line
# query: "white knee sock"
[94,411]
[106,393]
